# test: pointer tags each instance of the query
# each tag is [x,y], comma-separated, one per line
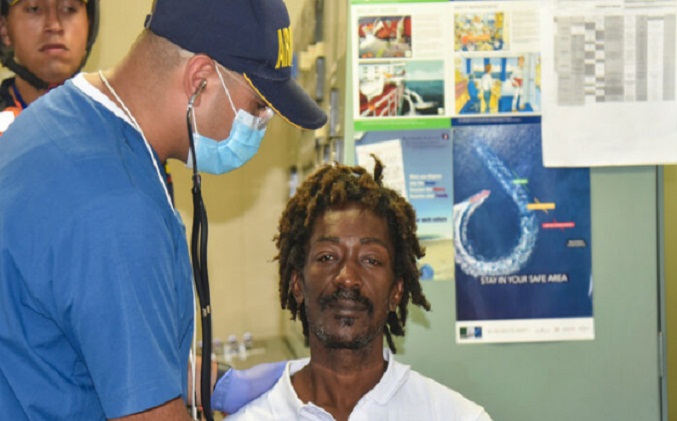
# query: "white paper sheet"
[609,82]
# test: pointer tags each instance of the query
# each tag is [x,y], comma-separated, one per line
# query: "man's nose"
[53,20]
[349,274]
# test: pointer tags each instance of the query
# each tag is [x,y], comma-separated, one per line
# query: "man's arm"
[198,380]
[174,410]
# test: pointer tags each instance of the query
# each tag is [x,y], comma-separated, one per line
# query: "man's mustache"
[346,294]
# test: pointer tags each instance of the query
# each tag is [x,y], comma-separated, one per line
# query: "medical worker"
[96,295]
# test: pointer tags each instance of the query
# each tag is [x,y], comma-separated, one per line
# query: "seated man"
[347,262]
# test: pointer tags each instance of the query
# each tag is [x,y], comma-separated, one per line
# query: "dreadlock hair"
[334,185]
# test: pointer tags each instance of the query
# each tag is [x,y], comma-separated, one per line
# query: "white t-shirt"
[401,394]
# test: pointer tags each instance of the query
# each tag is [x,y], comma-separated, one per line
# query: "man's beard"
[354,342]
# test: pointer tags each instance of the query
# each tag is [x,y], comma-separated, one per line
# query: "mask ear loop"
[198,251]
[223,83]
[262,121]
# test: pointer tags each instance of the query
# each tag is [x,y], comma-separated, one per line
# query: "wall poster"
[418,165]
[522,239]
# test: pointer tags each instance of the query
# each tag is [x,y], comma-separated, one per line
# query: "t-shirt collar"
[394,377]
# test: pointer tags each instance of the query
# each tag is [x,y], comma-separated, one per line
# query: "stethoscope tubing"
[198,251]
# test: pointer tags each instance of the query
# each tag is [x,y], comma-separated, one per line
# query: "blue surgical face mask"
[220,157]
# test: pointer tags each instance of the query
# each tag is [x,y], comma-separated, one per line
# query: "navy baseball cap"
[251,37]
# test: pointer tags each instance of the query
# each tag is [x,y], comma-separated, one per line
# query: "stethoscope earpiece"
[198,91]
[201,87]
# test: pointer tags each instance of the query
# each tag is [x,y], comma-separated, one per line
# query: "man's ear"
[4,33]
[200,69]
[297,287]
[396,294]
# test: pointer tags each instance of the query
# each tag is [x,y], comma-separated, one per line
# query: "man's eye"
[325,258]
[372,261]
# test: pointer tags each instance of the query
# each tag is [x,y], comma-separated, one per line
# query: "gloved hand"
[237,388]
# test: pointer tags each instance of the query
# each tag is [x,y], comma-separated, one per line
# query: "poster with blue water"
[418,166]
[521,239]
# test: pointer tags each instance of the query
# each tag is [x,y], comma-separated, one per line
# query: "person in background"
[348,252]
[474,102]
[517,80]
[44,42]
[95,278]
[487,84]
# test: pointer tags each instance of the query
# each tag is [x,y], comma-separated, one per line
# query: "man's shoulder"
[280,402]
[437,399]
[6,99]
[418,383]
[64,116]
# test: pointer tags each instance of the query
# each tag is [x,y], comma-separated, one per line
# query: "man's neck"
[28,93]
[152,105]
[336,380]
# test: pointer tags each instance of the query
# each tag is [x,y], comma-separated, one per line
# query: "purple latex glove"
[237,388]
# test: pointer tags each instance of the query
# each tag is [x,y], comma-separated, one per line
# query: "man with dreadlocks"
[347,262]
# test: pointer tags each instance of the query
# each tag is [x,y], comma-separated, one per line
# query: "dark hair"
[335,185]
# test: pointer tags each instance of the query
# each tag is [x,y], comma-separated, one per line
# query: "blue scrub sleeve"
[122,303]
[239,387]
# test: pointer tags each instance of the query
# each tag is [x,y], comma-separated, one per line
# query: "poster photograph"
[401,89]
[522,239]
[498,85]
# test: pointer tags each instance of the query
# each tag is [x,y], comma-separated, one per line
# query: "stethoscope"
[198,252]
